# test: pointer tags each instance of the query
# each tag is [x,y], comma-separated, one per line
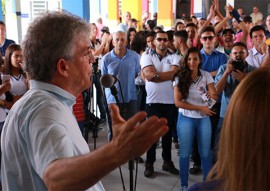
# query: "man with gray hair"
[125,65]
[42,147]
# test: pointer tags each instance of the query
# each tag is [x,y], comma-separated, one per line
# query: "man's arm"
[207,23]
[150,74]
[266,59]
[221,78]
[131,139]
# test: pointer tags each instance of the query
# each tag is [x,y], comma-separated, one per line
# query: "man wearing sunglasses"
[211,58]
[158,66]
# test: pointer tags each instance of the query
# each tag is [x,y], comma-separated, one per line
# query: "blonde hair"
[243,156]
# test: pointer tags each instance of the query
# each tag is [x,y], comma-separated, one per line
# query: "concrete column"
[80,8]
[1,14]
[153,7]
[134,7]
[165,13]
[12,30]
[113,13]
[145,5]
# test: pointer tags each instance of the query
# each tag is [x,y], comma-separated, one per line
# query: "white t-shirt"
[254,58]
[195,95]
[18,85]
[161,92]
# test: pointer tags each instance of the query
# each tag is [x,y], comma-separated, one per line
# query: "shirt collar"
[115,56]
[254,51]
[214,51]
[178,53]
[168,52]
[62,94]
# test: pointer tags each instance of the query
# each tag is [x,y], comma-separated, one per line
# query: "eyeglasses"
[88,55]
[207,37]
[239,53]
[162,39]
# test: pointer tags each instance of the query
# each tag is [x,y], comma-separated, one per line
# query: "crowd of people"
[201,86]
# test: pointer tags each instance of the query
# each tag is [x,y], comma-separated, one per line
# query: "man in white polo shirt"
[158,66]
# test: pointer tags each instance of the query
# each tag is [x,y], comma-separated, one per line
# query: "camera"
[95,66]
[239,64]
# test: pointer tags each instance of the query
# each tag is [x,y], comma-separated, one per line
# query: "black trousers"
[168,111]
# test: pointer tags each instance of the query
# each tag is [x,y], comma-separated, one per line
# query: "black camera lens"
[239,64]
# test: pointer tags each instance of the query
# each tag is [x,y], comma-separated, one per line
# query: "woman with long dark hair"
[130,36]
[194,101]
[13,67]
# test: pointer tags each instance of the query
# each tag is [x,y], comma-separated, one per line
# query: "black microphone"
[108,80]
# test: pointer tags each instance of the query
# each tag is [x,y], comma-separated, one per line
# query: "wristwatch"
[156,76]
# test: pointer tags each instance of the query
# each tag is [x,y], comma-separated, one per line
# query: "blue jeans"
[186,128]
[217,133]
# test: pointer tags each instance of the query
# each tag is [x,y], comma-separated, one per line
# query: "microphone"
[108,80]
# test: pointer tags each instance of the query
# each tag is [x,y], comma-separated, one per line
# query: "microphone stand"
[115,95]
[109,119]
[114,92]
[130,162]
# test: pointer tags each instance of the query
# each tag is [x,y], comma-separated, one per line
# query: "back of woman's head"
[243,158]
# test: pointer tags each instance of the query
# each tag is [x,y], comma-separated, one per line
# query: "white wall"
[17,25]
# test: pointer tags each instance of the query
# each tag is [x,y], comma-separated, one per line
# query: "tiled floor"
[162,181]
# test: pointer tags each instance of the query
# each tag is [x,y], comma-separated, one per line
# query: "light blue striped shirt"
[39,129]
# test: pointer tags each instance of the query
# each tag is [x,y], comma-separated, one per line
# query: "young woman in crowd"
[130,36]
[13,67]
[193,100]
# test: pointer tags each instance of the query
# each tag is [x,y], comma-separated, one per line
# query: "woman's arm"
[9,104]
[6,86]
[102,46]
[178,100]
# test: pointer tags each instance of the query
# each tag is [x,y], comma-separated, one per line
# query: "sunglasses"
[162,39]
[207,37]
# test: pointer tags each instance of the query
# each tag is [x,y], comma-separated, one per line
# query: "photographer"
[229,76]
[98,49]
